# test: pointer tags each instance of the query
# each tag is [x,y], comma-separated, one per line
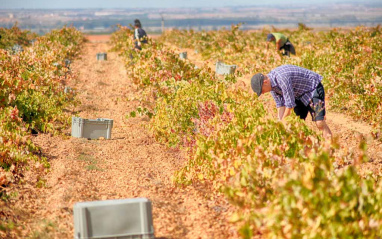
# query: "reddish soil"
[98,38]
[129,165]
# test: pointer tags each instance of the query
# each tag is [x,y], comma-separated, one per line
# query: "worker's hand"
[286,124]
[286,113]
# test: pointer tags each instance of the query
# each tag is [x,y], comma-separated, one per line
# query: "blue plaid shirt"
[291,82]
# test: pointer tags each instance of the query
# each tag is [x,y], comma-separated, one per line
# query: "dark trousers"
[316,107]
[288,48]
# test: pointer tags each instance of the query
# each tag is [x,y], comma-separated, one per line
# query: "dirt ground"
[98,38]
[131,164]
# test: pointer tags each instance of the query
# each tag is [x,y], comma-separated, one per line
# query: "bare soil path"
[129,165]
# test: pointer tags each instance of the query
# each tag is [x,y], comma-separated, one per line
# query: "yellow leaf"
[231,172]
[237,163]
[235,217]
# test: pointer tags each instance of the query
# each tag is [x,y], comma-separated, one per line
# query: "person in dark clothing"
[282,43]
[140,36]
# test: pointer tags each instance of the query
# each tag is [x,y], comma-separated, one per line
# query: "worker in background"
[282,43]
[140,36]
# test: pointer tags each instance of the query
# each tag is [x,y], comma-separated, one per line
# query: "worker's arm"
[136,37]
[280,112]
[287,112]
[288,97]
[283,112]
[278,46]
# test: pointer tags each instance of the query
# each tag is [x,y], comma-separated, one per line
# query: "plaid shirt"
[291,82]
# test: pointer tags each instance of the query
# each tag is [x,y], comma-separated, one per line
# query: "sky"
[70,4]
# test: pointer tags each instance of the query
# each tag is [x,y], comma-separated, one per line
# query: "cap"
[257,83]
[269,36]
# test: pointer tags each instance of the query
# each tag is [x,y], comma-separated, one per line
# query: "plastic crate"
[91,129]
[68,89]
[223,69]
[101,56]
[117,219]
[16,49]
[183,55]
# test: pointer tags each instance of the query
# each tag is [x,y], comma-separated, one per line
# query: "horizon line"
[204,7]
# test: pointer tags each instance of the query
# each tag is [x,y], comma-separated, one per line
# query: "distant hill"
[104,20]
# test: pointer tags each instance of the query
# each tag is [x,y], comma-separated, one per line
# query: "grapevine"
[280,178]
